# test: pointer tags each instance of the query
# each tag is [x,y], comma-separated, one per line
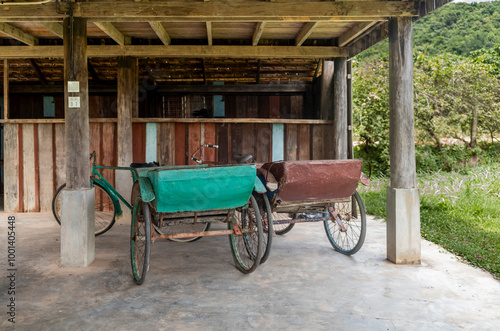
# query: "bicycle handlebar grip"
[213,146]
[196,160]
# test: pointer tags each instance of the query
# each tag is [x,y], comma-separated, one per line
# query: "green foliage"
[456,28]
[490,56]
[460,212]
[455,98]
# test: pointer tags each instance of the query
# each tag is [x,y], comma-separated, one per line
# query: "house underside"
[159,78]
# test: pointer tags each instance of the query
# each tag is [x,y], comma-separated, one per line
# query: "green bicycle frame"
[115,196]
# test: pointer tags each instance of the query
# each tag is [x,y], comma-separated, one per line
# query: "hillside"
[457,28]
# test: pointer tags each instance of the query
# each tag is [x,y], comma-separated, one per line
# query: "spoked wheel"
[104,208]
[174,227]
[281,229]
[140,237]
[353,218]
[267,223]
[247,247]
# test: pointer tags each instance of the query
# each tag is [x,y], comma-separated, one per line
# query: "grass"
[458,210]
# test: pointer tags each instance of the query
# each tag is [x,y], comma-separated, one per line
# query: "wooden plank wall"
[35,162]
[35,152]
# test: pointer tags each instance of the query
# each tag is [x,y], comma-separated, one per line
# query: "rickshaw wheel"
[247,248]
[267,223]
[281,229]
[104,208]
[140,238]
[353,217]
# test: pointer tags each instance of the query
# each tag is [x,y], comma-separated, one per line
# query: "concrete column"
[340,108]
[403,209]
[77,214]
[128,89]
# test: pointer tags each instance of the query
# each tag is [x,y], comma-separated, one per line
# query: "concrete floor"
[305,285]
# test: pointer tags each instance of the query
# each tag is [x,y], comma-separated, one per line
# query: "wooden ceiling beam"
[38,72]
[258,33]
[217,11]
[161,32]
[113,33]
[55,28]
[305,32]
[181,51]
[18,34]
[353,33]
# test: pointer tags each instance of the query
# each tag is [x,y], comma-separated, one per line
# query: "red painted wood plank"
[20,205]
[37,176]
[180,144]
[139,142]
[209,138]
[194,142]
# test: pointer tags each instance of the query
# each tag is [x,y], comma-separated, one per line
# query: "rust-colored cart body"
[318,190]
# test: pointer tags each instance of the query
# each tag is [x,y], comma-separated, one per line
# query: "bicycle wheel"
[267,224]
[247,247]
[353,217]
[173,228]
[281,229]
[140,238]
[105,212]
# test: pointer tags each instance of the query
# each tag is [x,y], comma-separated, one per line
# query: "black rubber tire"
[247,248]
[348,242]
[140,239]
[176,228]
[104,218]
[267,223]
[281,229]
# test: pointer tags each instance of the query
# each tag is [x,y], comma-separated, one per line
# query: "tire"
[281,229]
[140,239]
[105,212]
[267,224]
[354,220]
[247,248]
[182,228]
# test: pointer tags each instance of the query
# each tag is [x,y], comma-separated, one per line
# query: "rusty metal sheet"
[315,180]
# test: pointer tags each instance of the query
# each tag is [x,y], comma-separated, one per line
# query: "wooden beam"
[55,28]
[216,11]
[295,88]
[5,89]
[160,32]
[179,51]
[357,30]
[18,34]
[113,32]
[204,72]
[258,72]
[305,32]
[38,72]
[209,33]
[92,72]
[258,33]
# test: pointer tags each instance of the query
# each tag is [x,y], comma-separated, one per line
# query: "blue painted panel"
[278,142]
[151,143]
[219,106]
[49,107]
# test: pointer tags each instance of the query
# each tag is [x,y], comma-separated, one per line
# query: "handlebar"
[200,161]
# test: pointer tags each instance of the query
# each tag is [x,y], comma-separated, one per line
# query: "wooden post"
[403,213]
[5,89]
[77,202]
[326,91]
[77,118]
[340,108]
[128,108]
[350,142]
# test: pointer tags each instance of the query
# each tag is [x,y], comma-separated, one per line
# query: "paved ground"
[305,285]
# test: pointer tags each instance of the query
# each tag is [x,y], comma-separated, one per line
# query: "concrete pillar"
[128,89]
[340,108]
[77,214]
[403,209]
